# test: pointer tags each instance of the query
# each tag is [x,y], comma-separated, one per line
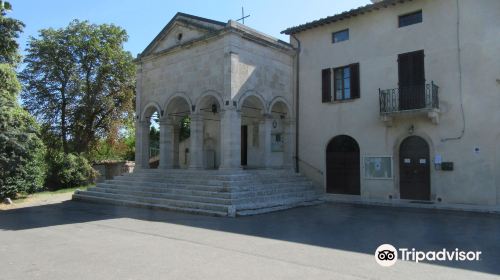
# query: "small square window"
[411,18]
[340,36]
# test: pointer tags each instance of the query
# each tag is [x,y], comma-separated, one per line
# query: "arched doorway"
[343,166]
[179,118]
[253,133]
[209,116]
[281,136]
[150,127]
[414,169]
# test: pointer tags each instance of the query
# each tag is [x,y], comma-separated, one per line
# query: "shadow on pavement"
[345,227]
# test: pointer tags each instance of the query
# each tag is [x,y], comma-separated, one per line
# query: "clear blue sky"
[144,19]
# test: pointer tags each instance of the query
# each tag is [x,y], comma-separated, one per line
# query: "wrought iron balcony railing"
[409,98]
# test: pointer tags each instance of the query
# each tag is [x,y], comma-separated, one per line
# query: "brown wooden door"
[342,166]
[411,74]
[414,169]
[244,144]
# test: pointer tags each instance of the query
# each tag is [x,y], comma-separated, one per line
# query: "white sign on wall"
[378,167]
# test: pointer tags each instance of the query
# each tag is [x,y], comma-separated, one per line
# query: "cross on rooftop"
[243,17]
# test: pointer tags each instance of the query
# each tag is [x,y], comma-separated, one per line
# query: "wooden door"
[411,80]
[414,169]
[342,166]
[244,144]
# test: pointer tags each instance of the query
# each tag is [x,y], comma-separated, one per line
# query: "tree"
[9,32]
[22,152]
[79,82]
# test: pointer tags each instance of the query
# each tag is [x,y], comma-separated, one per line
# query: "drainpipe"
[297,84]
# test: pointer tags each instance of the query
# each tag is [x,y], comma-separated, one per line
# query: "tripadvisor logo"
[387,255]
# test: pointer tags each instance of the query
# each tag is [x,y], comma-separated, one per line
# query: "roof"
[214,28]
[345,15]
[172,21]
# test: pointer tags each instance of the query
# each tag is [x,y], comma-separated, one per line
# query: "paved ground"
[76,240]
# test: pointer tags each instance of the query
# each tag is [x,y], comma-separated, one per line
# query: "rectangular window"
[346,82]
[340,36]
[411,18]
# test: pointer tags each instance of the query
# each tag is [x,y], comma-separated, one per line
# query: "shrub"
[69,170]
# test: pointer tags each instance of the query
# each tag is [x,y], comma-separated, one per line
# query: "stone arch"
[396,152]
[250,93]
[282,100]
[216,95]
[149,109]
[179,94]
[343,165]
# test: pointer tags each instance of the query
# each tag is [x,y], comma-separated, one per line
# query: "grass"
[26,198]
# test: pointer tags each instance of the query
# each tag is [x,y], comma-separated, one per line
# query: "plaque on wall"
[277,142]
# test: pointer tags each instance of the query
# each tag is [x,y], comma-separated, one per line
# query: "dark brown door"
[411,80]
[342,166]
[414,169]
[244,144]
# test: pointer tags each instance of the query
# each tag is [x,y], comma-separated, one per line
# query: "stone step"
[161,201]
[212,182]
[167,185]
[187,190]
[161,188]
[274,203]
[142,193]
[133,203]
[201,187]
[275,199]
[222,193]
[262,210]
[241,200]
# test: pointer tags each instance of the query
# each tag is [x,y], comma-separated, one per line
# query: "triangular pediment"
[181,29]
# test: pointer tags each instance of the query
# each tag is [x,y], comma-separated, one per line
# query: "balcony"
[410,100]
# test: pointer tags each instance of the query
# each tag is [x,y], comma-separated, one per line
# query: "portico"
[220,95]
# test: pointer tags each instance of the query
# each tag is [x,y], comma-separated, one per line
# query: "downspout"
[297,84]
[459,57]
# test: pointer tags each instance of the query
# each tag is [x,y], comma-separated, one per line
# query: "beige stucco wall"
[375,42]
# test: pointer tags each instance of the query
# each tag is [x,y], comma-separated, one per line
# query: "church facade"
[233,84]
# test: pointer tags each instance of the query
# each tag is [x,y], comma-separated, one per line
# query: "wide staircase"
[211,192]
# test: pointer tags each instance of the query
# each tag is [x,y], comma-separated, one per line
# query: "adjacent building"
[401,100]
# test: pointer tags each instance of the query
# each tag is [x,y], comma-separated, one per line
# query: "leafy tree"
[22,152]
[79,82]
[9,32]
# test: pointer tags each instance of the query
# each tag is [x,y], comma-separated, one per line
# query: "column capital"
[267,116]
[166,121]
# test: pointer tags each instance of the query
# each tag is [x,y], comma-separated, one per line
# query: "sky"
[143,20]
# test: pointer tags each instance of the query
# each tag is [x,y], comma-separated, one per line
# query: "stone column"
[175,146]
[196,145]
[289,155]
[166,159]
[265,129]
[230,128]
[141,145]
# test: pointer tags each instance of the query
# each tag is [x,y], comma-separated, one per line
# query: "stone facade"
[223,76]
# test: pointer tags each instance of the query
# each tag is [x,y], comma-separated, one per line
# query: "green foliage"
[22,167]
[79,82]
[9,31]
[68,170]
[185,130]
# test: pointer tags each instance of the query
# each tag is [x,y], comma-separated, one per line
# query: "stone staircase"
[211,192]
